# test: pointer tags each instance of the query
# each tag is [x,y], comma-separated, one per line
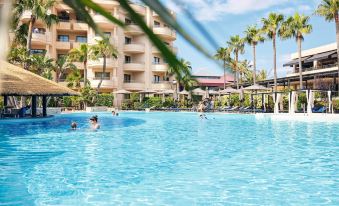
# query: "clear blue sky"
[223,18]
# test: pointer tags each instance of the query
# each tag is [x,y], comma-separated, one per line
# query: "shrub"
[104,100]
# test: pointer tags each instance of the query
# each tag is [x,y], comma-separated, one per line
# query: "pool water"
[168,159]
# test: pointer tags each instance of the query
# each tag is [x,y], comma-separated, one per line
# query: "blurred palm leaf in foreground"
[81,7]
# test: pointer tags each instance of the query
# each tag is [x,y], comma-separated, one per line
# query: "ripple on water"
[168,159]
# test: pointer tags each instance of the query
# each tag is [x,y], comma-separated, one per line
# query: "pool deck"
[300,117]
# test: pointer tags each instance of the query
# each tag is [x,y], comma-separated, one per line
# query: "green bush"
[1,102]
[169,102]
[67,102]
[153,102]
[335,104]
[104,100]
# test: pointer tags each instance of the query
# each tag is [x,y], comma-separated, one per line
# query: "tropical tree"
[82,54]
[104,49]
[296,26]
[254,36]
[18,56]
[74,79]
[61,66]
[40,9]
[237,46]
[271,26]
[329,9]
[39,64]
[223,54]
[182,74]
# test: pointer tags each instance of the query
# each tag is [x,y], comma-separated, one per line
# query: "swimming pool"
[168,159]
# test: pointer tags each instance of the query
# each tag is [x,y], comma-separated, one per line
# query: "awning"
[295,61]
[320,56]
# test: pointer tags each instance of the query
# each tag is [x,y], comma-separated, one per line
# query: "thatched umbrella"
[229,91]
[15,81]
[122,91]
[164,92]
[198,91]
[255,88]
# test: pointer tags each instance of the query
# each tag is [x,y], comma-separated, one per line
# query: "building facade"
[139,65]
[319,68]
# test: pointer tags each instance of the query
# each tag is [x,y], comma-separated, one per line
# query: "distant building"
[208,79]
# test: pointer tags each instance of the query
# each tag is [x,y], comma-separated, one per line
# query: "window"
[106,75]
[64,16]
[128,21]
[156,79]
[128,59]
[63,38]
[38,51]
[156,60]
[127,78]
[128,40]
[156,24]
[79,18]
[82,39]
[107,34]
[39,30]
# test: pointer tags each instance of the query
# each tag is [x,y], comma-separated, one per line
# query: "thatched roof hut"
[15,81]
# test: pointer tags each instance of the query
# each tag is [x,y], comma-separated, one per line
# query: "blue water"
[168,159]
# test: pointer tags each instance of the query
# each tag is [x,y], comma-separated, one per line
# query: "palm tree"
[237,46]
[182,74]
[39,64]
[296,26]
[253,37]
[74,79]
[329,9]
[104,49]
[61,66]
[82,54]
[223,54]
[271,26]
[40,9]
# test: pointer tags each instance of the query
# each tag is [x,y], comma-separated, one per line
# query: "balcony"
[61,45]
[313,70]
[79,65]
[39,38]
[103,22]
[110,63]
[106,83]
[132,66]
[161,85]
[160,67]
[80,26]
[172,48]
[165,33]
[133,29]
[134,86]
[107,3]
[139,9]
[134,48]
[63,25]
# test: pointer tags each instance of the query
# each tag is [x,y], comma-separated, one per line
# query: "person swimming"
[74,126]
[94,122]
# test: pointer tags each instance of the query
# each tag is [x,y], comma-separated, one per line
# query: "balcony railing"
[317,68]
[132,81]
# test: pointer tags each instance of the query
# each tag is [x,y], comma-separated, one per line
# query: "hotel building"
[319,70]
[139,65]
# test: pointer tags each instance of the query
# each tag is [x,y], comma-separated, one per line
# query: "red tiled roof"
[214,82]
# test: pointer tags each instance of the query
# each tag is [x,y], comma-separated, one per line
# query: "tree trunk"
[300,65]
[102,74]
[236,69]
[85,73]
[254,65]
[29,37]
[337,38]
[275,63]
[224,74]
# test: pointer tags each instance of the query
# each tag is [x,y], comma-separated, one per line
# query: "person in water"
[74,125]
[94,122]
[23,110]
